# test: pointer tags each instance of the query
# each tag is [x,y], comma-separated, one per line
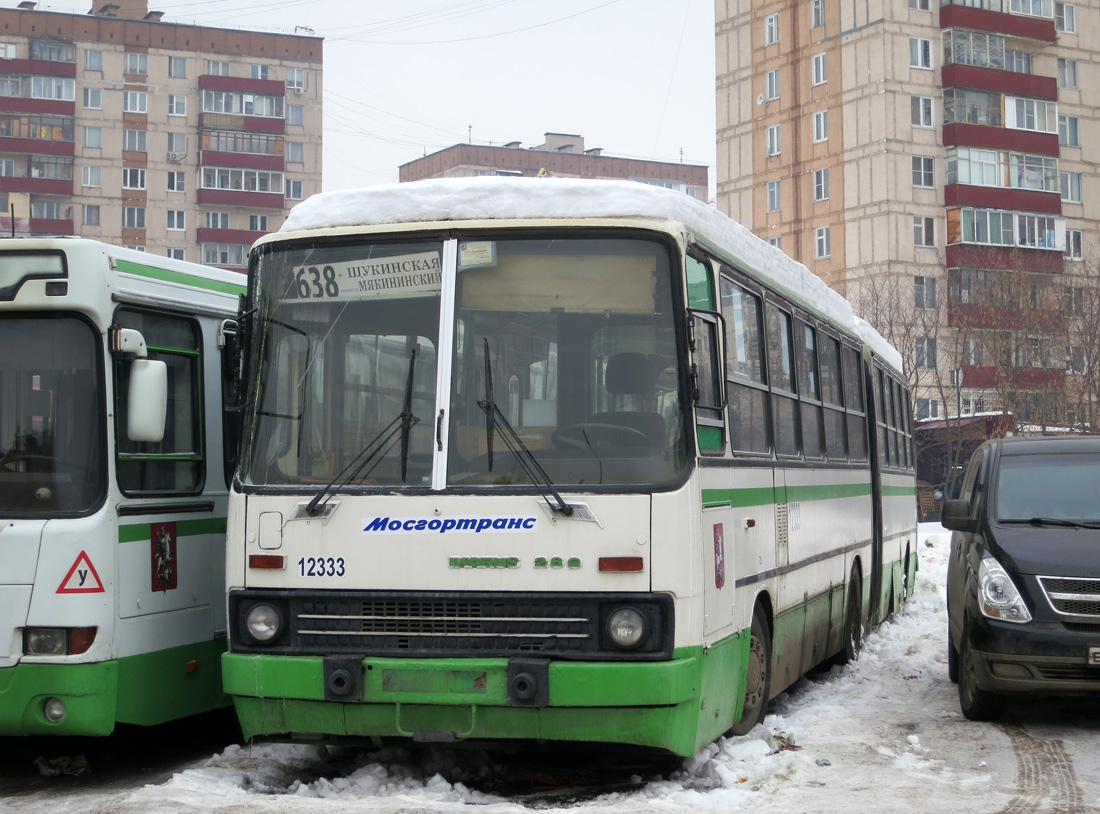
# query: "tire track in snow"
[1046,778]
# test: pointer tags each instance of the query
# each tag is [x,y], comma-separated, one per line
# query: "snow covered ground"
[884,734]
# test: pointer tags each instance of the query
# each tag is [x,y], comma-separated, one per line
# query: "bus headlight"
[263,622]
[626,628]
[46,641]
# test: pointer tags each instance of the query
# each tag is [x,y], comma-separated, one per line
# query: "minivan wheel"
[952,658]
[977,704]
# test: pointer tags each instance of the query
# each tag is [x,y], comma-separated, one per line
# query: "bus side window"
[174,465]
[747,394]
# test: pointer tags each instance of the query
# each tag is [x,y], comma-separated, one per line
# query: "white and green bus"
[552,459]
[113,485]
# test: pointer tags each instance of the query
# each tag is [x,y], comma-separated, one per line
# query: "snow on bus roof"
[491,198]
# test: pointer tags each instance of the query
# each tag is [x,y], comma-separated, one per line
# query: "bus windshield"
[52,460]
[561,363]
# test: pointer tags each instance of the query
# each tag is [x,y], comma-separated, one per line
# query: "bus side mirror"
[147,400]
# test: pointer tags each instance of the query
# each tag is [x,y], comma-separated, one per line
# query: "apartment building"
[186,141]
[561,154]
[934,162]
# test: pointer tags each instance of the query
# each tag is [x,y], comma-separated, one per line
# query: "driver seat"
[633,374]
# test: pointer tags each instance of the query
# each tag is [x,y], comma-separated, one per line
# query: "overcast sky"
[634,77]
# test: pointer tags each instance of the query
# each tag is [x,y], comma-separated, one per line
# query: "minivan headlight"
[997,594]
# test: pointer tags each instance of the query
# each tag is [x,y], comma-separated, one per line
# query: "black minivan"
[1023,580]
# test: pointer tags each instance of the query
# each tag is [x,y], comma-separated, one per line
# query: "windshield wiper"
[1054,521]
[527,460]
[375,449]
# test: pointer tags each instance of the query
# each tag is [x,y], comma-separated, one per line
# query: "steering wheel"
[572,435]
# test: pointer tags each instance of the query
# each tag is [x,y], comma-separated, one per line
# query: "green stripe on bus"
[139,532]
[180,277]
[899,491]
[765,496]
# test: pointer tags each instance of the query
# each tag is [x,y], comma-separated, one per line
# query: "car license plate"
[1094,657]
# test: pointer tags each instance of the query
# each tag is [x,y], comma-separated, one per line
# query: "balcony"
[958,134]
[237,197]
[998,22]
[1001,81]
[1010,198]
[979,256]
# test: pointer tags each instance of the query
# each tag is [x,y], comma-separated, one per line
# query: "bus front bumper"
[87,691]
[645,703]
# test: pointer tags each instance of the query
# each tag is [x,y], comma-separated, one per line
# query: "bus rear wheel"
[757,675]
[853,622]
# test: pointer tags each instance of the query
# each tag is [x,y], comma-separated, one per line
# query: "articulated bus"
[113,485]
[556,460]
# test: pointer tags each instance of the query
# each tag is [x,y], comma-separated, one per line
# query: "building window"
[821,242]
[295,152]
[771,29]
[93,98]
[1071,187]
[1075,244]
[53,87]
[922,110]
[772,134]
[294,189]
[93,136]
[925,353]
[257,223]
[1035,231]
[973,353]
[260,71]
[216,67]
[177,105]
[8,50]
[920,52]
[177,67]
[971,107]
[962,47]
[217,220]
[295,114]
[924,171]
[969,165]
[1065,18]
[224,254]
[776,242]
[296,79]
[1033,8]
[821,126]
[774,196]
[1067,73]
[133,140]
[90,215]
[136,64]
[7,170]
[919,5]
[177,181]
[928,408]
[93,60]
[174,254]
[245,180]
[133,178]
[46,210]
[1038,172]
[987,226]
[135,101]
[817,13]
[133,217]
[1068,131]
[924,232]
[924,293]
[819,70]
[177,143]
[1017,61]
[821,184]
[175,219]
[90,175]
[1031,114]
[772,84]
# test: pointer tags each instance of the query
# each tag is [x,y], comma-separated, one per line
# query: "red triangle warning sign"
[82,578]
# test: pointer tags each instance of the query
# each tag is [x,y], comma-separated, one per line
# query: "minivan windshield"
[1051,486]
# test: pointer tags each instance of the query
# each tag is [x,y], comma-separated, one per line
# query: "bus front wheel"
[758,675]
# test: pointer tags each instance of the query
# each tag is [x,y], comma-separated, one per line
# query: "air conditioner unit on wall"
[298,91]
[176,156]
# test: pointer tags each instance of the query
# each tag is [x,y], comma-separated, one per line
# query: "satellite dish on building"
[760,98]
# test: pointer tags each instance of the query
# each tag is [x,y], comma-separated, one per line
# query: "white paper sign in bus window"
[407,275]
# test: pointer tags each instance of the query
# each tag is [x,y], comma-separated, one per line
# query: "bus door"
[876,453]
[172,515]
